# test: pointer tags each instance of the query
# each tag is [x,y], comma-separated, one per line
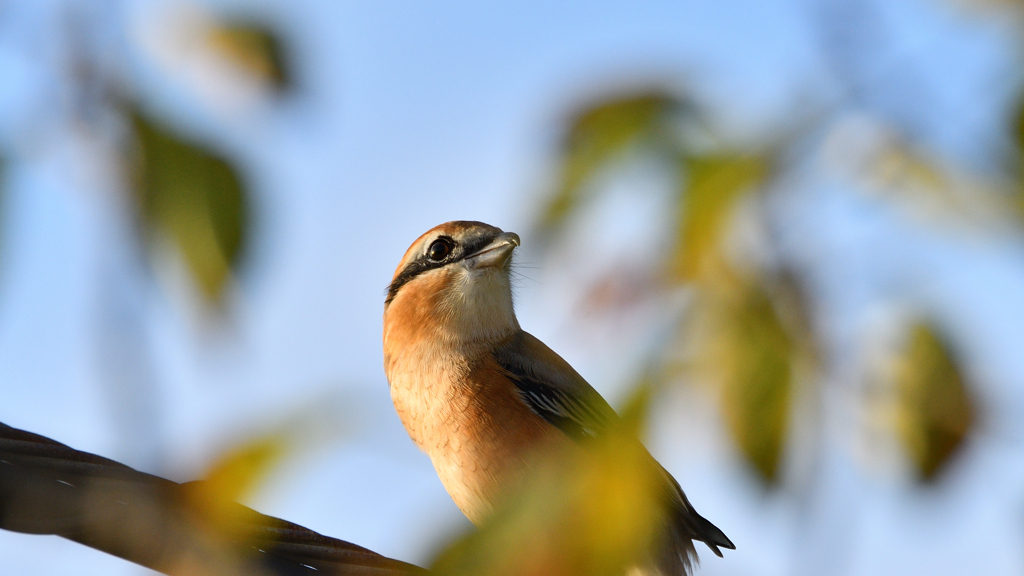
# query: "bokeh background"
[798,222]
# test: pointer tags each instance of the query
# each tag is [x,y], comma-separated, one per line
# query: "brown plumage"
[482,397]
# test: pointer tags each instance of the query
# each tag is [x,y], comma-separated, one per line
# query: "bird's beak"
[495,254]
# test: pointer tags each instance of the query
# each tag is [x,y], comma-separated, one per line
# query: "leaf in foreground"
[584,513]
[234,476]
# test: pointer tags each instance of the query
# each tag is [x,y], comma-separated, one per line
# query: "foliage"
[750,354]
[3,198]
[599,136]
[711,188]
[750,328]
[193,197]
[255,49]
[1017,132]
[218,521]
[936,410]
[236,474]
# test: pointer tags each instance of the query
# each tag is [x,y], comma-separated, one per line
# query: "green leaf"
[599,135]
[750,352]
[1018,136]
[3,199]
[711,189]
[255,49]
[1018,126]
[936,409]
[194,197]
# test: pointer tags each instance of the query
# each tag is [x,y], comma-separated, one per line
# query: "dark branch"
[49,488]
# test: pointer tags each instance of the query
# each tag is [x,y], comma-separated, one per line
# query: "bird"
[480,395]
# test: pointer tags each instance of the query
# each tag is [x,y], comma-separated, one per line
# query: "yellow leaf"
[234,477]
[599,135]
[195,198]
[751,354]
[936,410]
[3,201]
[713,185]
[254,49]
[937,192]
[1018,135]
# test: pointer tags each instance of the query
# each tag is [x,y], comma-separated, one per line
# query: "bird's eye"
[439,249]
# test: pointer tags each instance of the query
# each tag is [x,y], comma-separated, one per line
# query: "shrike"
[481,397]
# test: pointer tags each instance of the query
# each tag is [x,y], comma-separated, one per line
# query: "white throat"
[478,306]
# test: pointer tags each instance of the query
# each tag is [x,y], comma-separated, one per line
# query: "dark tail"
[686,527]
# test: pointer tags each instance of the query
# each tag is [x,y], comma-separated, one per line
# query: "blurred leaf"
[236,473]
[254,49]
[1018,136]
[587,512]
[194,197]
[937,411]
[235,476]
[599,135]
[754,350]
[932,190]
[712,187]
[899,167]
[3,198]
[997,8]
[1018,126]
[752,355]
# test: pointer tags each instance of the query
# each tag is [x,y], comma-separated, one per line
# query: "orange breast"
[469,419]
[456,404]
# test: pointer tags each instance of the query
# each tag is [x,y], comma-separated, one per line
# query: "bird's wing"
[552,389]
[558,394]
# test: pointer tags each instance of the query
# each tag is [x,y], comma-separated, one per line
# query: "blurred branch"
[49,488]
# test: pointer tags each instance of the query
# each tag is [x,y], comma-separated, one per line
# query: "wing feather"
[559,395]
[552,389]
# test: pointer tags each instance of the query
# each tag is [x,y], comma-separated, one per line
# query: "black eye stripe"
[469,244]
[414,269]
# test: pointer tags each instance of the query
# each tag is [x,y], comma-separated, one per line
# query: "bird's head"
[454,282]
